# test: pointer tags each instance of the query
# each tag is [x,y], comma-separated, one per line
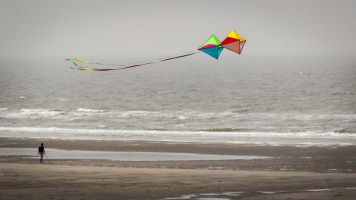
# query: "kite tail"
[79,63]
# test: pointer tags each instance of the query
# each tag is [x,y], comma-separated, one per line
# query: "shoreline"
[290,172]
[338,159]
[182,147]
[306,138]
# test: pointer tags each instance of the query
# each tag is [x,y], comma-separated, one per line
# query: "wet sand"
[327,172]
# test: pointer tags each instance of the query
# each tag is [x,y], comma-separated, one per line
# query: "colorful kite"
[213,47]
[234,42]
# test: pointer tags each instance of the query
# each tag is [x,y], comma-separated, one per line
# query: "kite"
[213,47]
[234,42]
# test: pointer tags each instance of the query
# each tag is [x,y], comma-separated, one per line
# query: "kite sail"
[213,47]
[234,42]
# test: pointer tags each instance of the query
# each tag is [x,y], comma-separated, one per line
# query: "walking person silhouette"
[41,152]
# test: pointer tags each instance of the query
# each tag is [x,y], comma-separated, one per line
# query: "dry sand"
[313,173]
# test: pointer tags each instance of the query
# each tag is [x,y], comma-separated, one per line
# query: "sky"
[40,28]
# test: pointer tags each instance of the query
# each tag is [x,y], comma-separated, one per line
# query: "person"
[41,152]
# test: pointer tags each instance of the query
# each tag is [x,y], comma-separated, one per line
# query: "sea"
[269,100]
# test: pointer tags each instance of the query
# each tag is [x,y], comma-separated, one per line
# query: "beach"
[220,136]
[285,172]
[177,100]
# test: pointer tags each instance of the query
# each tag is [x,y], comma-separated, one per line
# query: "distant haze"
[38,28]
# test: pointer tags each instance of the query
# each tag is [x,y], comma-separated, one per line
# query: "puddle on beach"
[207,196]
[229,195]
[121,155]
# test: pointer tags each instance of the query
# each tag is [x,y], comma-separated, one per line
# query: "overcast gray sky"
[125,28]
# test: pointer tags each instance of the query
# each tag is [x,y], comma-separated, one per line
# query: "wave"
[165,120]
[311,137]
[29,113]
[169,114]
[226,130]
[61,99]
[88,110]
[3,109]
[40,111]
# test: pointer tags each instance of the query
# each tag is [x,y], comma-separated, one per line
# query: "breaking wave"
[181,120]
[180,114]
[88,110]
[28,113]
[271,138]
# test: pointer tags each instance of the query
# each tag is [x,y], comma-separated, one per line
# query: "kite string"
[159,60]
[78,63]
[146,61]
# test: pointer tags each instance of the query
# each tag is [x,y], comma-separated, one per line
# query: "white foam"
[40,111]
[265,118]
[61,99]
[88,110]
[291,125]
[29,113]
[271,138]
[309,134]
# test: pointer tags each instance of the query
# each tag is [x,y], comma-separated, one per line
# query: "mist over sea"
[260,100]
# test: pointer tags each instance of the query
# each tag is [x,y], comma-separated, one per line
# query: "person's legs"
[41,160]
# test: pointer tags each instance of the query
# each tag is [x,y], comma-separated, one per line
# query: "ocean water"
[236,99]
